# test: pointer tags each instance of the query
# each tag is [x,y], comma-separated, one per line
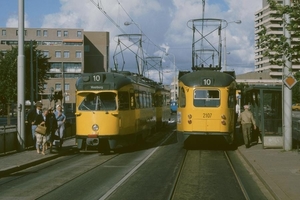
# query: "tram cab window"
[101,101]
[206,98]
[182,98]
[123,100]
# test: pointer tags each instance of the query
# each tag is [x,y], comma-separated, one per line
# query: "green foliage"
[276,47]
[9,72]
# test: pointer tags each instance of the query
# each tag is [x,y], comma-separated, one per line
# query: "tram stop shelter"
[266,105]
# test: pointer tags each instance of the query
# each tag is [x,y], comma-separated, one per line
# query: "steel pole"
[287,97]
[21,79]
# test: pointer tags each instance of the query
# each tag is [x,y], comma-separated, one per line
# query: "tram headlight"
[190,116]
[95,127]
[223,117]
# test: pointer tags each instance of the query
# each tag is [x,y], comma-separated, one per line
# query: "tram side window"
[141,95]
[206,98]
[123,101]
[137,99]
[182,98]
[150,100]
[132,101]
[231,100]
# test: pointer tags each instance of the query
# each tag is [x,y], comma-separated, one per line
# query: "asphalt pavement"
[279,170]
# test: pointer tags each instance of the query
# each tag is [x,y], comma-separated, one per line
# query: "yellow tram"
[113,110]
[206,104]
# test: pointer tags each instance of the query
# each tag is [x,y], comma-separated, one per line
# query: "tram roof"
[196,78]
[111,80]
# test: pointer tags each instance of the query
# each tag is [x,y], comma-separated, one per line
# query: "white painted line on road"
[109,192]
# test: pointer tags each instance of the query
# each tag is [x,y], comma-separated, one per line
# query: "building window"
[58,33]
[72,67]
[79,34]
[66,54]
[57,86]
[25,32]
[78,54]
[16,32]
[45,33]
[38,33]
[67,98]
[57,54]
[86,48]
[46,54]
[67,86]
[4,32]
[66,33]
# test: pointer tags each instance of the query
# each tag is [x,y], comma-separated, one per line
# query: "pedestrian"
[31,118]
[40,138]
[51,124]
[61,119]
[237,111]
[247,120]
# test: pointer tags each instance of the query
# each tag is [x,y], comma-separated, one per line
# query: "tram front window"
[206,98]
[101,101]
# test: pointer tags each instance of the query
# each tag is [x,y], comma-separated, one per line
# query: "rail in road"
[163,168]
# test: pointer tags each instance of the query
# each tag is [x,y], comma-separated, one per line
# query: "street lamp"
[225,51]
[174,83]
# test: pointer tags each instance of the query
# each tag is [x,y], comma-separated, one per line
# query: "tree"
[9,72]
[276,46]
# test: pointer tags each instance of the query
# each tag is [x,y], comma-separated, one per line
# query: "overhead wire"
[100,7]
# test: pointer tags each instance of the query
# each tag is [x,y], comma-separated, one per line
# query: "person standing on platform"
[237,112]
[41,139]
[61,119]
[247,120]
[31,118]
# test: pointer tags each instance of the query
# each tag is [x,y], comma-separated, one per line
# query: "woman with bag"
[41,131]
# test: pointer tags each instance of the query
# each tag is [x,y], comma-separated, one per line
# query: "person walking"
[247,120]
[41,139]
[61,119]
[237,112]
[31,119]
[51,124]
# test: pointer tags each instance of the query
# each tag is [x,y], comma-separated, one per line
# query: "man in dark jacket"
[51,124]
[31,118]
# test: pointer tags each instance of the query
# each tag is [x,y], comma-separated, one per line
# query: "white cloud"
[13,21]
[165,24]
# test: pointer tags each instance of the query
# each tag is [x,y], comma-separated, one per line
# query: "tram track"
[202,172]
[237,177]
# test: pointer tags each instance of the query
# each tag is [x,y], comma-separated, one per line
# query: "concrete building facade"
[266,17]
[71,52]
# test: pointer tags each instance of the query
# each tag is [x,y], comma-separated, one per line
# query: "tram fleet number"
[207,115]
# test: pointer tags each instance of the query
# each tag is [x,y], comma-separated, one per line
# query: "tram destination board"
[91,86]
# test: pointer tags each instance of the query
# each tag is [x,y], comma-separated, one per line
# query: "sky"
[163,23]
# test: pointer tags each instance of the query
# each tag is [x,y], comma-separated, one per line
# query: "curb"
[274,190]
[13,169]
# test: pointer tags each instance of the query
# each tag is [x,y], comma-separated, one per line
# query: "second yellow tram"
[206,104]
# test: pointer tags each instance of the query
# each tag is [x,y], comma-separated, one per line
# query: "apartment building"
[71,52]
[266,17]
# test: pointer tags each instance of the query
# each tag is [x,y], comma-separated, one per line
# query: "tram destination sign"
[96,87]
